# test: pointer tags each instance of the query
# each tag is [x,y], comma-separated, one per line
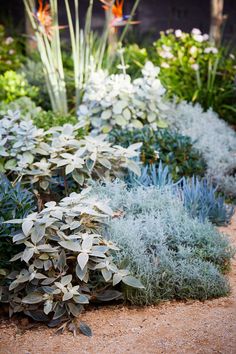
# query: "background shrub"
[174,255]
[14,85]
[11,57]
[213,138]
[174,150]
[193,69]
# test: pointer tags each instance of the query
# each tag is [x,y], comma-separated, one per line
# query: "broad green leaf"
[27,226]
[71,245]
[66,279]
[33,298]
[85,329]
[133,282]
[81,299]
[82,260]
[107,274]
[109,295]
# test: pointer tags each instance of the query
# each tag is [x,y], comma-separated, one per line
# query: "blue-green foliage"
[201,200]
[15,203]
[174,255]
[151,175]
[199,196]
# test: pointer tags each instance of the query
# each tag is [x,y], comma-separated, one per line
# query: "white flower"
[165,65]
[195,67]
[166,54]
[150,70]
[211,50]
[11,52]
[178,33]
[232,56]
[196,31]
[198,38]
[193,50]
[9,40]
[166,48]
[205,37]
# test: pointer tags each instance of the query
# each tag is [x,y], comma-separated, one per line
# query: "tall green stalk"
[87,52]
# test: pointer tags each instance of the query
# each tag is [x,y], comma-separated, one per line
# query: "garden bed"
[199,327]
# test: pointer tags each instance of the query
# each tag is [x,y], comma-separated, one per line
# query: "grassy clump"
[174,255]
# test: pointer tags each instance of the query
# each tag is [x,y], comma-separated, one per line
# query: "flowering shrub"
[193,69]
[116,100]
[13,86]
[9,56]
[65,261]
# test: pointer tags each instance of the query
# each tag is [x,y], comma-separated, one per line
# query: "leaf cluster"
[65,260]
[174,150]
[15,202]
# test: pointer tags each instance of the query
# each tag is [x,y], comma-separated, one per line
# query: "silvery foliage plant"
[214,138]
[39,155]
[65,260]
[116,100]
[18,141]
[87,158]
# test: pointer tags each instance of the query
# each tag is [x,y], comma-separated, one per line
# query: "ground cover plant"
[199,196]
[174,255]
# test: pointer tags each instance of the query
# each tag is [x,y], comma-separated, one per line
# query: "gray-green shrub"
[214,138]
[173,254]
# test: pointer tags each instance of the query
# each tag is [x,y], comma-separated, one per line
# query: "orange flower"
[43,15]
[119,19]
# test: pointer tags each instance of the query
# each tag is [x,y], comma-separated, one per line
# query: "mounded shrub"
[174,255]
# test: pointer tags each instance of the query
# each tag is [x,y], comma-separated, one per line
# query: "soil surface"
[172,327]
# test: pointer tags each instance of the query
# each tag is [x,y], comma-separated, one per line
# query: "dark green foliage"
[15,203]
[175,151]
[10,55]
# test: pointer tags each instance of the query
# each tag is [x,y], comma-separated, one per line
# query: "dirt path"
[173,327]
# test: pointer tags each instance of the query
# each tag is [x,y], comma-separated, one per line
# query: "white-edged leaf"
[133,282]
[27,226]
[82,259]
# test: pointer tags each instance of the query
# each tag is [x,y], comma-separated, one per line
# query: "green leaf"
[27,226]
[109,295]
[133,282]
[85,329]
[66,279]
[81,299]
[75,309]
[71,245]
[82,260]
[33,298]
[78,177]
